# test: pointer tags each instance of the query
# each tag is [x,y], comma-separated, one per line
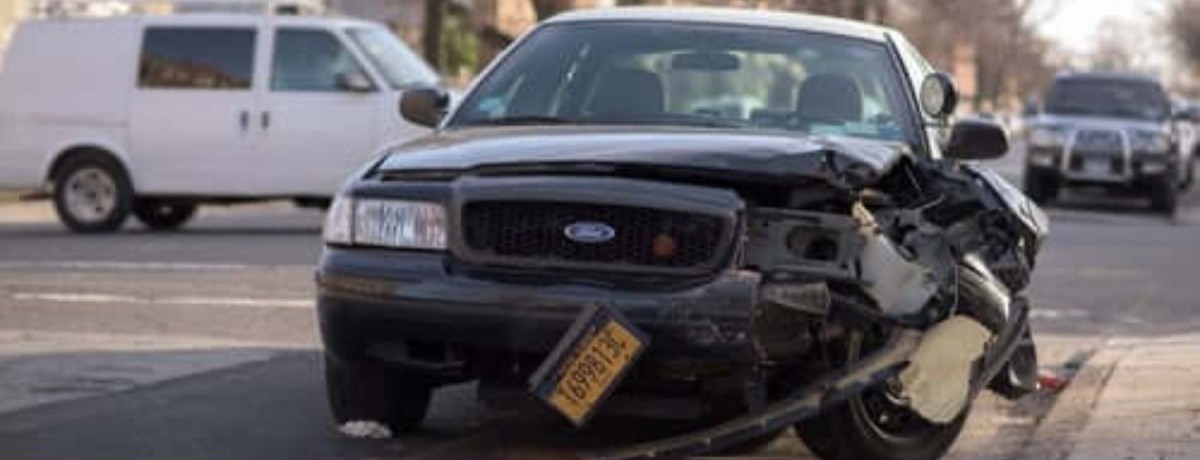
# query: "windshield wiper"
[523,120]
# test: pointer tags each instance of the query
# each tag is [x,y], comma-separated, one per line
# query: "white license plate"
[1097,167]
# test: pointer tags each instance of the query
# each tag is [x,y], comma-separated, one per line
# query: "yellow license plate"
[598,361]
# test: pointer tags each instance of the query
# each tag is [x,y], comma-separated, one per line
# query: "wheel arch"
[56,162]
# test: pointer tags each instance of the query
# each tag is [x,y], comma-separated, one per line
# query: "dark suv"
[1105,130]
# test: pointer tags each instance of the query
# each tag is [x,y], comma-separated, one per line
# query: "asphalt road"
[202,343]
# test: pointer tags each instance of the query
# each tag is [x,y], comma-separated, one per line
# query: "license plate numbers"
[590,362]
[1097,166]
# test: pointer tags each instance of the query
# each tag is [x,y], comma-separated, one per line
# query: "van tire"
[159,215]
[94,179]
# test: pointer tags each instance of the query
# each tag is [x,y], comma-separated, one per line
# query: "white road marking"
[89,297]
[1048,313]
[129,266]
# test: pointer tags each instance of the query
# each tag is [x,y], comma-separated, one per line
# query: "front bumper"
[373,297]
[1131,170]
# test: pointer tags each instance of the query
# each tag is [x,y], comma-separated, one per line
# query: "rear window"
[197,58]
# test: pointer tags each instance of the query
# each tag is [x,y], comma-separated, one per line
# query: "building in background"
[11,12]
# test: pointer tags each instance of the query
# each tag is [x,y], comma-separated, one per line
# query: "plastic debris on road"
[1050,382]
[365,429]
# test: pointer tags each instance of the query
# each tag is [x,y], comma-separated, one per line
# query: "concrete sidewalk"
[1135,399]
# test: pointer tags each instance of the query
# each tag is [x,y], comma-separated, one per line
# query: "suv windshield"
[394,61]
[694,75]
[1131,99]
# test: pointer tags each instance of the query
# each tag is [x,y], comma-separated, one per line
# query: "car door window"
[197,58]
[310,61]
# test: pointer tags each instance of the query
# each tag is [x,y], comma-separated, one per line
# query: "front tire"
[157,215]
[92,194]
[370,391]
[1164,196]
[1040,187]
[873,425]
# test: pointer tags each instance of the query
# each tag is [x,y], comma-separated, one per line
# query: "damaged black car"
[768,216]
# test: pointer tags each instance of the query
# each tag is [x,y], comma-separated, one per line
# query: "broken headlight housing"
[386,223]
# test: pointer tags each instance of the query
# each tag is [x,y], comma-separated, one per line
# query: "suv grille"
[511,231]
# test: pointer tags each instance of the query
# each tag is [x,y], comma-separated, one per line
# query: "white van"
[153,115]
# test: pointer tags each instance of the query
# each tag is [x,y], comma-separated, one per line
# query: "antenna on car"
[106,8]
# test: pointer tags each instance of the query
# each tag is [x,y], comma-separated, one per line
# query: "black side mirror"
[424,106]
[939,95]
[976,139]
[1187,116]
[354,82]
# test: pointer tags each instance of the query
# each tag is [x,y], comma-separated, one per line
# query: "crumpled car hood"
[754,155]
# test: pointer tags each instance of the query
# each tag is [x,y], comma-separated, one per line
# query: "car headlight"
[1150,142]
[386,223]
[1047,137]
[339,221]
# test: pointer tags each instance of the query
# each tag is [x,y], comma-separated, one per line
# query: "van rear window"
[197,58]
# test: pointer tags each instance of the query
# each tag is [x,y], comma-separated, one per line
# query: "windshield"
[1137,100]
[398,64]
[694,75]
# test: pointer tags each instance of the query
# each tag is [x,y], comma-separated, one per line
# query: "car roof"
[208,19]
[731,16]
[1109,76]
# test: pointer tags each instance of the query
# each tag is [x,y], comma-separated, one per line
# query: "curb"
[1057,432]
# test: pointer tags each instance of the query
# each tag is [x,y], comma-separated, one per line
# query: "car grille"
[1098,147]
[507,232]
[1099,141]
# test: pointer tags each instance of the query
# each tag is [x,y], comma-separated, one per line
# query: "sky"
[1074,24]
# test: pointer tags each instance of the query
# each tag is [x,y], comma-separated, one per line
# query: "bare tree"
[431,41]
[1184,23]
[547,8]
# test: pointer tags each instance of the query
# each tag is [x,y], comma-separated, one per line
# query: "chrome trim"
[1126,155]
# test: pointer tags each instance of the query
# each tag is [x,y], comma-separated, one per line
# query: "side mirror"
[1187,116]
[354,82]
[975,139]
[424,106]
[939,95]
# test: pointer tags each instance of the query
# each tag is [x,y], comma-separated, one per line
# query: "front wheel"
[158,215]
[1040,187]
[1164,196]
[876,425]
[369,391]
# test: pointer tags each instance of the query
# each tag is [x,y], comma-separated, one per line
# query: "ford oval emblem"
[589,232]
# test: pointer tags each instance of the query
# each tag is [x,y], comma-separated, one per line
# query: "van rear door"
[191,126]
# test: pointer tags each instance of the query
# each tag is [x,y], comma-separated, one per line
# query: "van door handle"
[244,120]
[265,120]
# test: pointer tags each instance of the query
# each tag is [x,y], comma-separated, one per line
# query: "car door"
[316,129]
[190,111]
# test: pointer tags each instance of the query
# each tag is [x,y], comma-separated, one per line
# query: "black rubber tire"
[157,215]
[1164,196]
[123,194]
[370,391]
[846,432]
[1189,175]
[1041,189]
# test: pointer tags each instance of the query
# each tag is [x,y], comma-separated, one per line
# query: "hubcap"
[90,194]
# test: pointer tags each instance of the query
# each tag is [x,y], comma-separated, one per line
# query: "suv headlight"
[386,223]
[1047,137]
[1150,142]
